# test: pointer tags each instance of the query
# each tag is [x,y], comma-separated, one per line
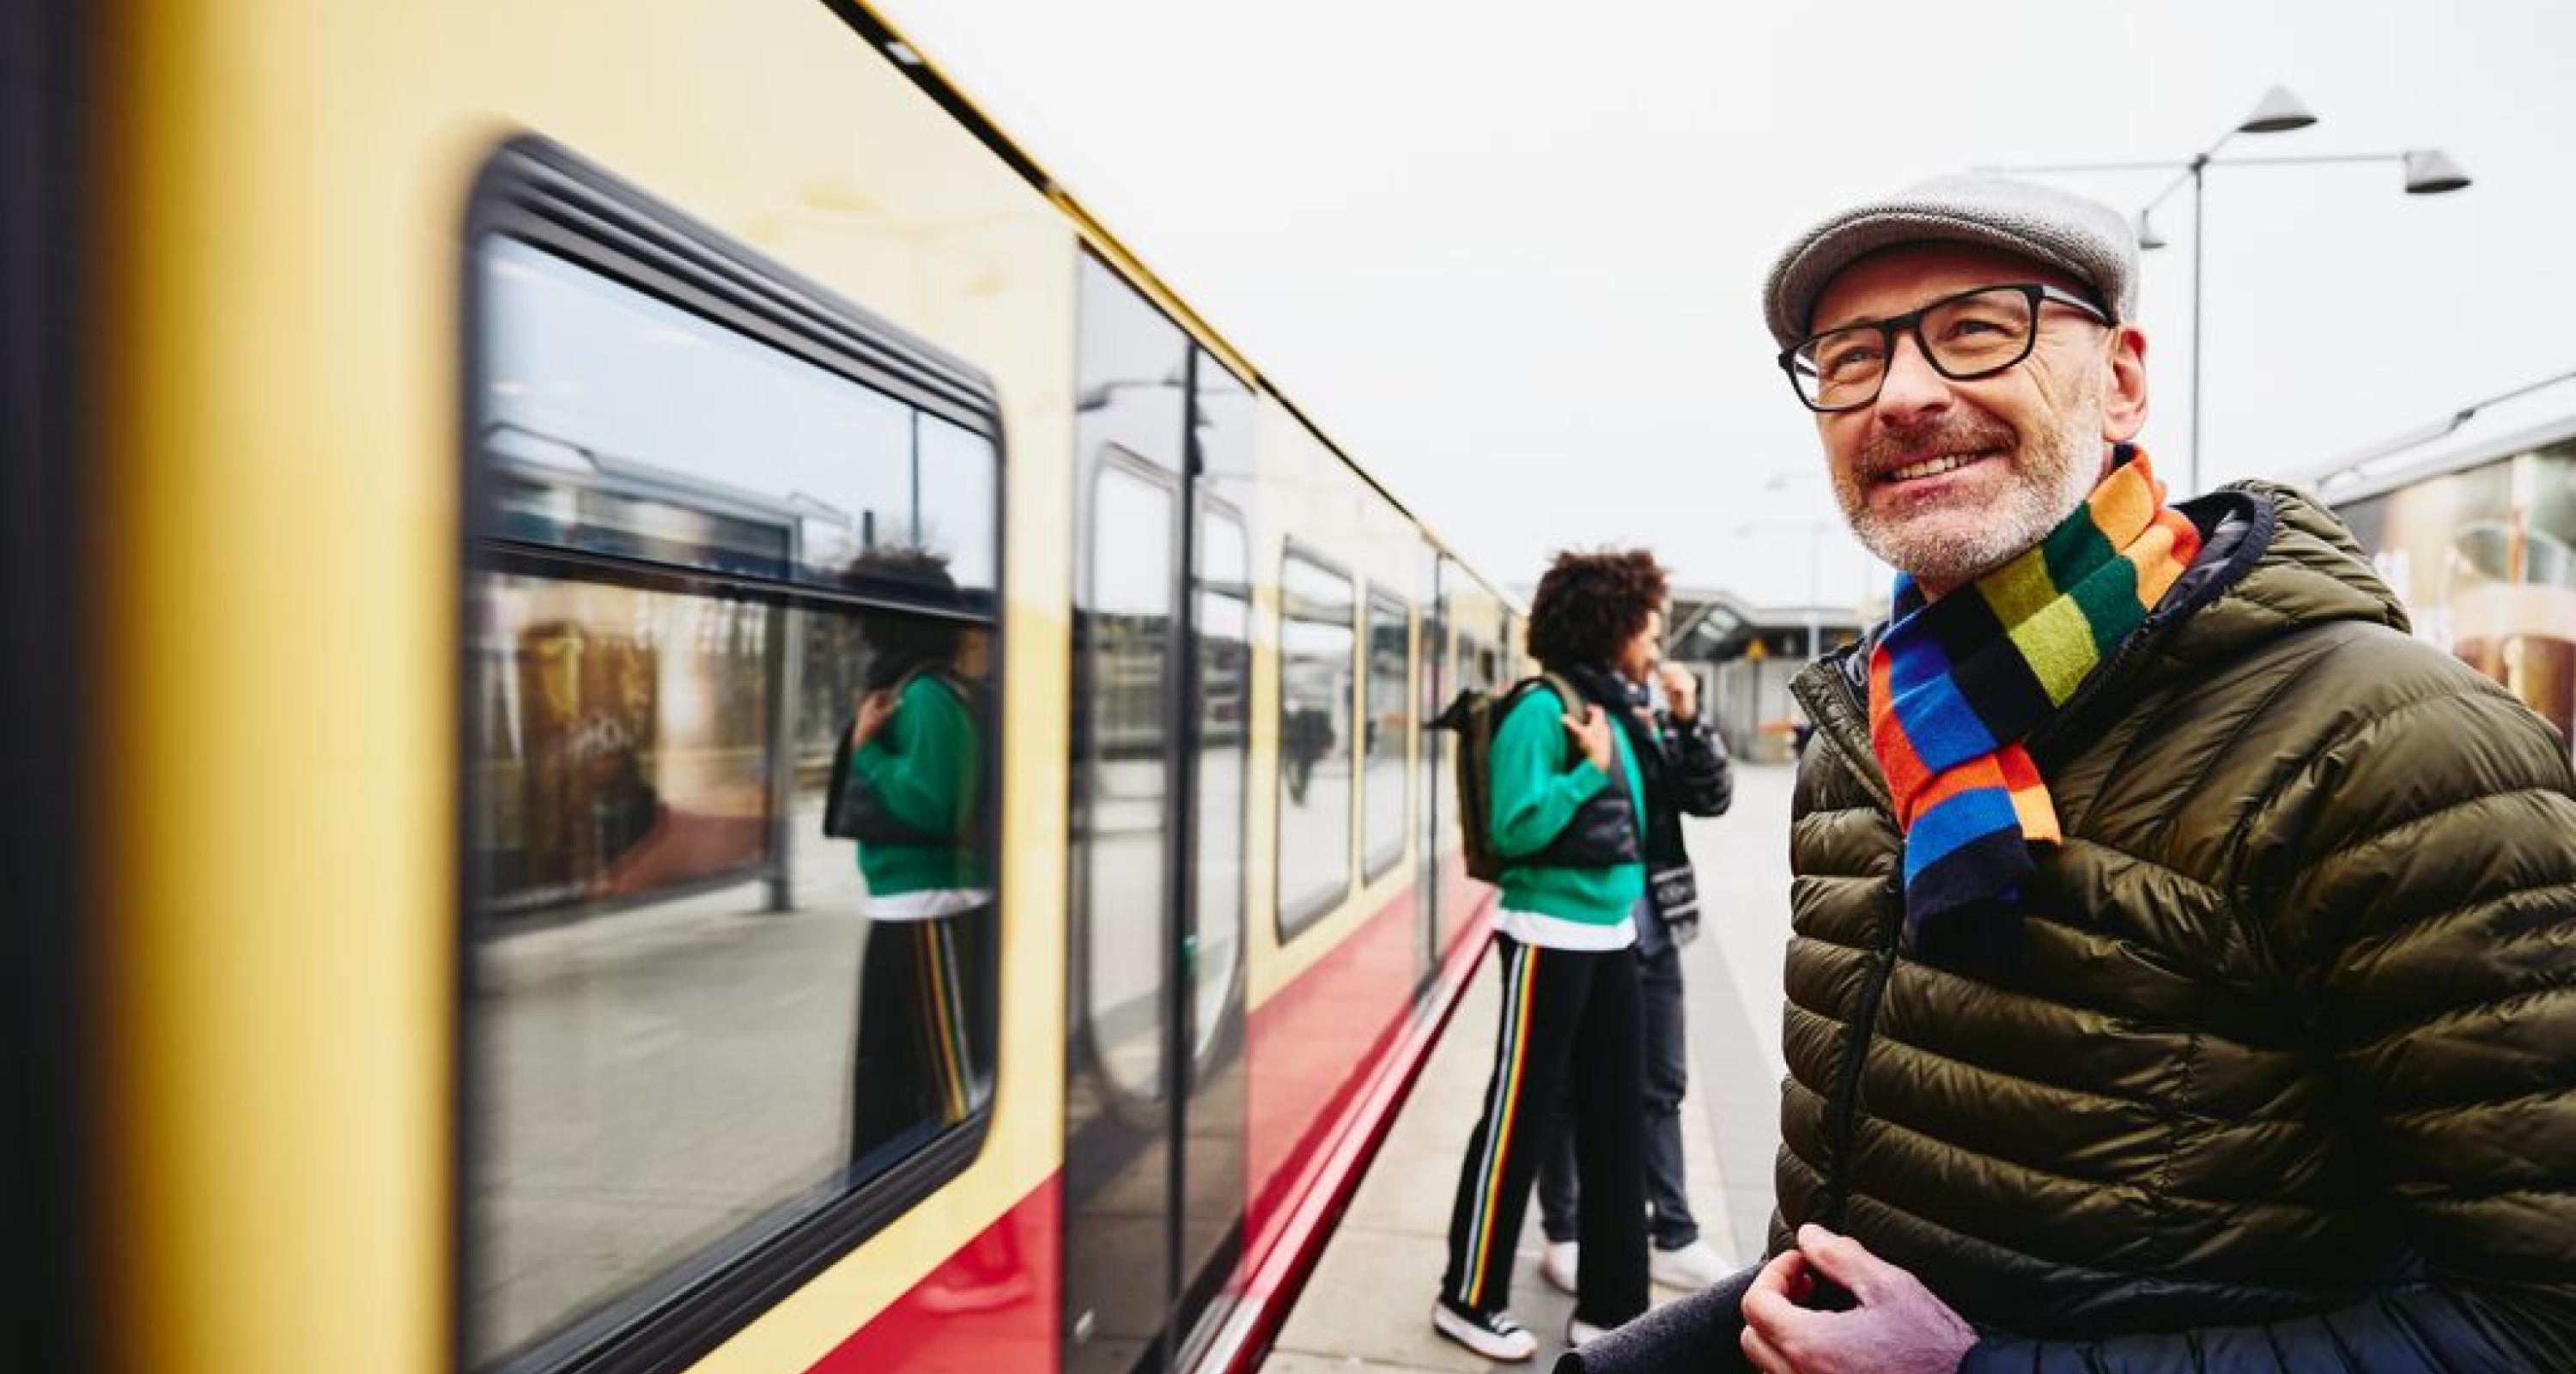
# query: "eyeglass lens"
[1964,337]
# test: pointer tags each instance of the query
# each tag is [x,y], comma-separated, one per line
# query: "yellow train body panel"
[276,337]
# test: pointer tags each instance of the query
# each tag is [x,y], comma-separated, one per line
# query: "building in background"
[1745,656]
[2475,529]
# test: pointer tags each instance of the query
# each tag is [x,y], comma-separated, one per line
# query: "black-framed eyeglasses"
[1970,335]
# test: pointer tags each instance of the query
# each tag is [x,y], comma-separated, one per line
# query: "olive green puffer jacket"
[2285,1077]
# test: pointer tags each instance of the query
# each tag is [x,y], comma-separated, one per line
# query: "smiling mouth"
[1937,465]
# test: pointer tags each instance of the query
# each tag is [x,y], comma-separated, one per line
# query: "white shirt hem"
[922,905]
[1555,932]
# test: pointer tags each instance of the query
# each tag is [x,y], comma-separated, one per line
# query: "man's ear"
[2124,399]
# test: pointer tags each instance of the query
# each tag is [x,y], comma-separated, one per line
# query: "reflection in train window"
[1382,804]
[1127,645]
[697,1017]
[1225,688]
[631,427]
[1316,642]
[730,869]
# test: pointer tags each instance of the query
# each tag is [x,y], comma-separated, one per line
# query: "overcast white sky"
[1509,254]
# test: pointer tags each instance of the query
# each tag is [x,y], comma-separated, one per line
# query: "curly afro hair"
[1589,605]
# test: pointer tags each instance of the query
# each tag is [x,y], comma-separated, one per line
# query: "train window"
[1225,687]
[1128,641]
[1316,659]
[1382,801]
[627,426]
[729,771]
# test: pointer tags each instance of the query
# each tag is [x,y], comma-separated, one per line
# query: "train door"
[1154,1095]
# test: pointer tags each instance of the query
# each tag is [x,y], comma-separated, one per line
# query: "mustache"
[1886,450]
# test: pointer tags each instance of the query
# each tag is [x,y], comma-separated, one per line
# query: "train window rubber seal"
[534,190]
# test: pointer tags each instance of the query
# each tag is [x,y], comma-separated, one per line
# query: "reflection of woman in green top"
[914,789]
[916,750]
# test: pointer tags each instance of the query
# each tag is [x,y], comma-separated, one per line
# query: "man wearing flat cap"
[2184,969]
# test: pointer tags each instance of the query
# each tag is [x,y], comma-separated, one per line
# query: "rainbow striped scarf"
[1956,685]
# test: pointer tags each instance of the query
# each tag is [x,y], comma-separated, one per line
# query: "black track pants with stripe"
[921,1050]
[1572,1023]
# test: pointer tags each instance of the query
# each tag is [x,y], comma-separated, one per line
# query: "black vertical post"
[1180,953]
[47,1282]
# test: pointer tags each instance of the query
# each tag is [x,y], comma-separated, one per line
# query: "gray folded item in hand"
[1700,1334]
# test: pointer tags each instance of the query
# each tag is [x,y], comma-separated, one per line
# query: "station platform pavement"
[1367,1307]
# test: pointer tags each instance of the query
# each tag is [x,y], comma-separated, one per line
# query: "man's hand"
[875,709]
[1681,692]
[1896,1326]
[1592,736]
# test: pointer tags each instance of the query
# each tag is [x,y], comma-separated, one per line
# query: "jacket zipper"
[1842,1109]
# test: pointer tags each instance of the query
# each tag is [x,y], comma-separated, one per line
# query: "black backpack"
[1474,717]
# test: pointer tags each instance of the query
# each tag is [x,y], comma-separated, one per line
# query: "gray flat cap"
[2084,238]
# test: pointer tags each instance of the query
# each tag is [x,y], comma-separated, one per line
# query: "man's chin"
[1943,551]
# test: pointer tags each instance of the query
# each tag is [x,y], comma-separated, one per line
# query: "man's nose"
[1913,387]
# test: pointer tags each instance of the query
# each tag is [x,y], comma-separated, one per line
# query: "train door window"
[1384,741]
[1127,634]
[728,586]
[1225,689]
[1317,644]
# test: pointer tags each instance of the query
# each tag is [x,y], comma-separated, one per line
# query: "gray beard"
[2049,483]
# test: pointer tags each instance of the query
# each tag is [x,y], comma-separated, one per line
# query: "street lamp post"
[2428,171]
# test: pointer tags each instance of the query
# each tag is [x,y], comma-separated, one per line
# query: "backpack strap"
[1568,697]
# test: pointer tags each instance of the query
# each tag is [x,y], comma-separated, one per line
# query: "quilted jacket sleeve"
[2415,879]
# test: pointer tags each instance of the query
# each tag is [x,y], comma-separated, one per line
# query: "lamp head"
[2276,113]
[2430,172]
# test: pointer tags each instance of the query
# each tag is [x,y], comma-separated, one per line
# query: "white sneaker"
[1493,1335]
[1557,1263]
[1692,1267]
[1579,1332]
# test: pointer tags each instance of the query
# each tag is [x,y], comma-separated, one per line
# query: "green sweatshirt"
[924,764]
[1535,794]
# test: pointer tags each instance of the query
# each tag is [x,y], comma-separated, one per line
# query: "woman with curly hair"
[1568,802]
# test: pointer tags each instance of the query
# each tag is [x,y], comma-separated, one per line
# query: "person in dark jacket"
[1567,794]
[1686,774]
[2181,969]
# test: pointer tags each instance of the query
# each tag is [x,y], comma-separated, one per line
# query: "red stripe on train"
[994,1305]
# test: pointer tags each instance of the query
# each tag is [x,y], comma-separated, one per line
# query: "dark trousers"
[1570,1022]
[1659,981]
[922,1055]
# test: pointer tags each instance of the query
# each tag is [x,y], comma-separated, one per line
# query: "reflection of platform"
[1368,1305]
[655,1077]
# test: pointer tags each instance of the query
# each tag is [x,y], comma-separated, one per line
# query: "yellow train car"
[667,717]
